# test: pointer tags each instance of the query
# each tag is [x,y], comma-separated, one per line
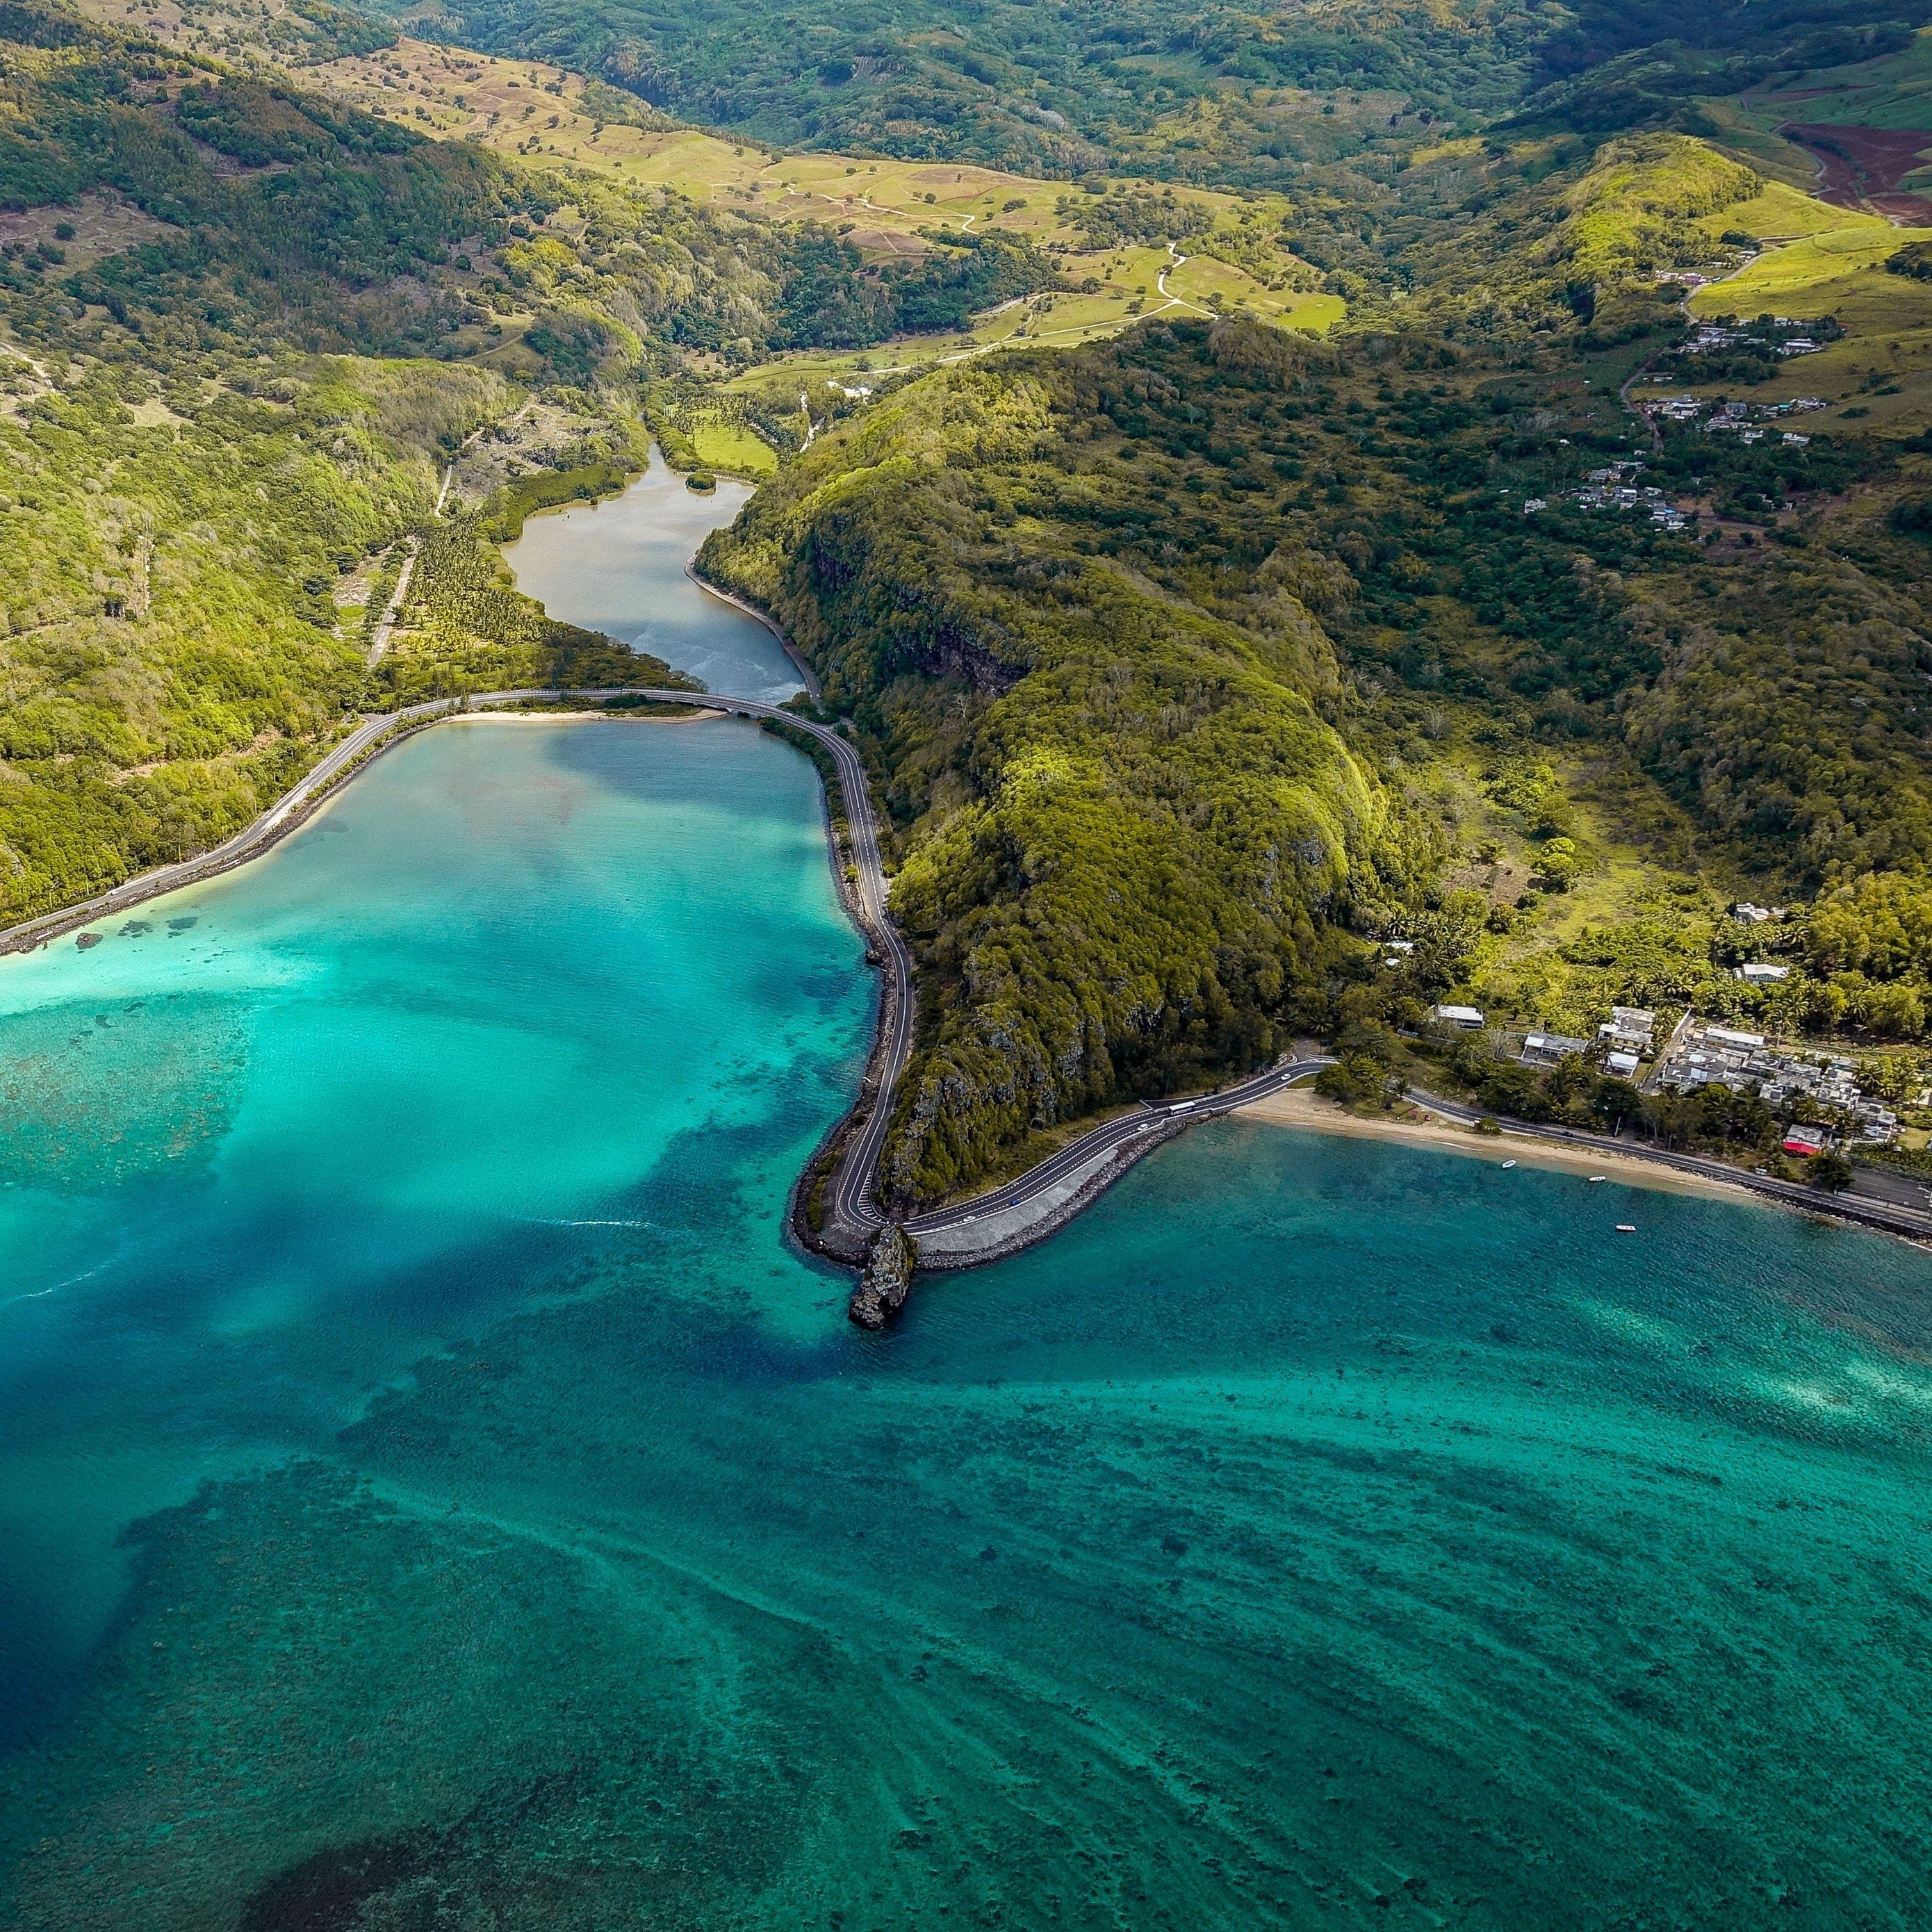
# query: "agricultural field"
[1860,136]
[888,210]
[1895,91]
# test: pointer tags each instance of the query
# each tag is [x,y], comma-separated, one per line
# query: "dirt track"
[1861,167]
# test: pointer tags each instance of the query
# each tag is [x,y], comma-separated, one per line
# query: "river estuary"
[433,1493]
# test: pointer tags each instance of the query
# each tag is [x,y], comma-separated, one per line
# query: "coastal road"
[1111,1134]
[256,837]
[850,1211]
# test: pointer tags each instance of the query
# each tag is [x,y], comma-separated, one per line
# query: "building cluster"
[1612,487]
[1621,1043]
[1712,338]
[1749,422]
[1702,1055]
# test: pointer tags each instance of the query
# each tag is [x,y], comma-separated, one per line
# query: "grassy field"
[1813,262]
[1895,91]
[1833,263]
[723,445]
[1130,291]
[544,114]
[547,116]
[1785,214]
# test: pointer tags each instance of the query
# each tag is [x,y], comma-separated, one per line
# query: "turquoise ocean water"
[432,1493]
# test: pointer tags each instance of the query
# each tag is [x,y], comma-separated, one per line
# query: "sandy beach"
[1417,1126]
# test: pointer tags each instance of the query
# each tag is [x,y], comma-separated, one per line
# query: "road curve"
[850,1211]
[1111,1134]
[254,838]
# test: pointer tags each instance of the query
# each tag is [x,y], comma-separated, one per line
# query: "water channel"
[619,567]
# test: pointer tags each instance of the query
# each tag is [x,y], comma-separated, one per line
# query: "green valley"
[1211,463]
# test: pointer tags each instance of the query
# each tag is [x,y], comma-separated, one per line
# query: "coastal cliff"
[1126,827]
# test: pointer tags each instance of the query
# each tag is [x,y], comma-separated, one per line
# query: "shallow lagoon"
[433,1493]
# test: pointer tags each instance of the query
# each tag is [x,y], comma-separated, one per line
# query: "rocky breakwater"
[887,1279]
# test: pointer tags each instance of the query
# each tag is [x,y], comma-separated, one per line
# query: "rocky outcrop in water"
[887,1278]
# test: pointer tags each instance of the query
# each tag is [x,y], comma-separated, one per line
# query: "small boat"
[1626,1227]
[1595,1177]
[1509,1163]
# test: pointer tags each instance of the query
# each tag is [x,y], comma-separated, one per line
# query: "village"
[1731,417]
[1610,488]
[1815,1093]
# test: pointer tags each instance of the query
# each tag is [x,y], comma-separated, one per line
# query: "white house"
[1547,1049]
[1725,1036]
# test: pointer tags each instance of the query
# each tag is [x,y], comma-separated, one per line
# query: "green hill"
[1126,822]
[241,331]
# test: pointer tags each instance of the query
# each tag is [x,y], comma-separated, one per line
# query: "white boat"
[1626,1227]
[1509,1163]
[1595,1177]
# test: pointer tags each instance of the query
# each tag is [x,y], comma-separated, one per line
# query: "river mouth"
[619,566]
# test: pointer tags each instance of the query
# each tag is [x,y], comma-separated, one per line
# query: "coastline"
[841,1167]
[1420,1126]
[1445,1127]
[308,796]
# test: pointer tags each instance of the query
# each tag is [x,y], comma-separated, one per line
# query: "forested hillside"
[1123,813]
[244,329]
[1153,86]
[1488,503]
